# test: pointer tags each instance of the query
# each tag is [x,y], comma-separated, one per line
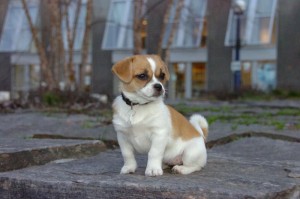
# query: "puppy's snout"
[158,87]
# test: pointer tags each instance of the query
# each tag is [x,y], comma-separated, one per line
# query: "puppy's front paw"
[153,171]
[128,169]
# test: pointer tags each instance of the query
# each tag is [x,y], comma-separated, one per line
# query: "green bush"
[51,98]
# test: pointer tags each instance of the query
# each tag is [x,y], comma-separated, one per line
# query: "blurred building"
[203,46]
[201,53]
[20,69]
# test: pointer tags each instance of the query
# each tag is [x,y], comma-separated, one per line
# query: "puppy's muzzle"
[158,89]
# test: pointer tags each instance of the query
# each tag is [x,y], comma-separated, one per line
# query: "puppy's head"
[143,76]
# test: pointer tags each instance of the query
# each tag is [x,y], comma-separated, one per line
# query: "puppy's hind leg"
[194,157]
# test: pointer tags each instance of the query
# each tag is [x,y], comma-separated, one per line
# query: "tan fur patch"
[139,65]
[128,68]
[181,126]
[205,132]
[161,67]
[123,70]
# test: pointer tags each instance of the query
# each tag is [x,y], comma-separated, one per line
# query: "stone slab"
[220,130]
[19,153]
[262,149]
[26,124]
[22,125]
[233,171]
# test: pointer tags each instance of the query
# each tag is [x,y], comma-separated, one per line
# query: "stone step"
[18,153]
[247,168]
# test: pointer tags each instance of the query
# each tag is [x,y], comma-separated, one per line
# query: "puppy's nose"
[158,87]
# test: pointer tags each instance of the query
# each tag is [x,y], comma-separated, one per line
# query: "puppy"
[144,124]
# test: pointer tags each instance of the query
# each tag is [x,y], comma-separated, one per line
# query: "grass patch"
[212,119]
[188,109]
[228,114]
[297,126]
[289,112]
[88,124]
[278,125]
[250,95]
[284,94]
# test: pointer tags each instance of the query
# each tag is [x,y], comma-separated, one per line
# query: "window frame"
[80,25]
[250,16]
[181,33]
[123,26]
[21,25]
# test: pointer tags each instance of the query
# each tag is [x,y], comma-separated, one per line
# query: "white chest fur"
[140,123]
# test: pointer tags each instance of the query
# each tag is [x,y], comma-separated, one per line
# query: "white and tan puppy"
[144,124]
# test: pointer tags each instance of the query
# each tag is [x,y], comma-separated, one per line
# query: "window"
[119,26]
[188,79]
[179,72]
[26,77]
[190,28]
[198,79]
[80,24]
[259,75]
[265,76]
[246,73]
[16,35]
[256,23]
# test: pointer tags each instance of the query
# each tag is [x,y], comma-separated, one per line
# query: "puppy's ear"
[123,69]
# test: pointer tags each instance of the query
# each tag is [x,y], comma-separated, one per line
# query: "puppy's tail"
[200,124]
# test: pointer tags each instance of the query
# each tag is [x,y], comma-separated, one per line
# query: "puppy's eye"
[162,76]
[142,76]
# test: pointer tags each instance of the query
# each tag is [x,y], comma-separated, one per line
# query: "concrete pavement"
[253,153]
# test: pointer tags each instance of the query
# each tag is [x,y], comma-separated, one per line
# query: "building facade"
[288,46]
[21,62]
[204,43]
[201,53]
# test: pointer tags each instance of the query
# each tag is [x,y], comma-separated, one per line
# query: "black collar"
[129,102]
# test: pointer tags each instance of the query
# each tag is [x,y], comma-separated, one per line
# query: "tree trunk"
[137,26]
[71,35]
[85,43]
[57,55]
[165,24]
[46,72]
[179,7]
[56,67]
